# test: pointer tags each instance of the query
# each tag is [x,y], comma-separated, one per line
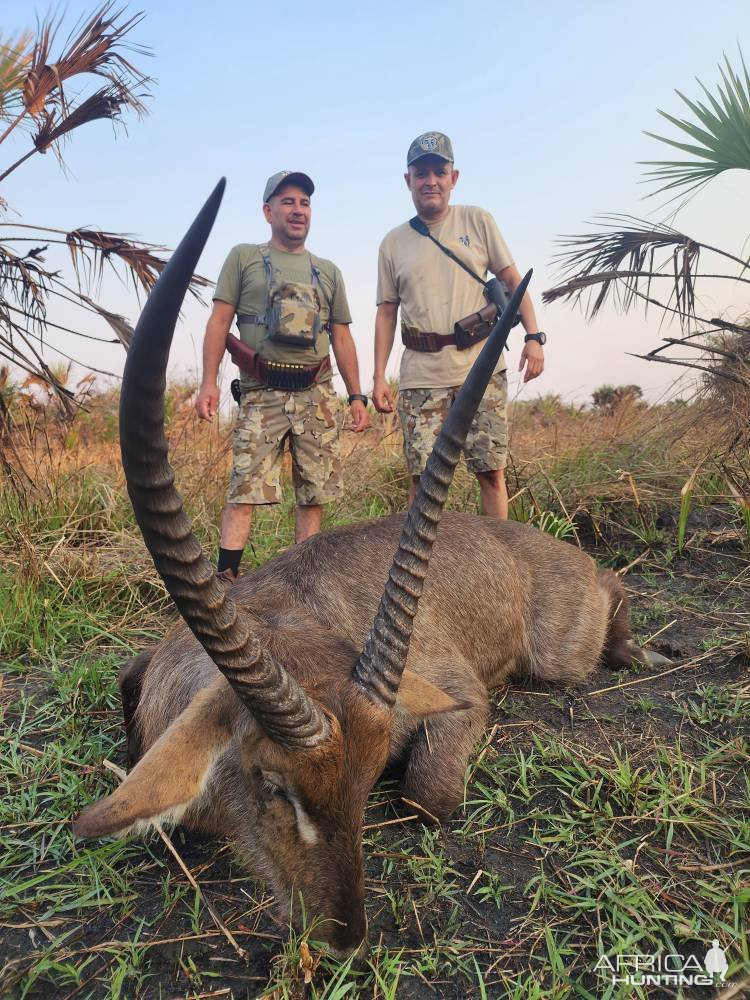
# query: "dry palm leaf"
[104,104]
[96,48]
[27,285]
[91,249]
[119,324]
[622,260]
[25,281]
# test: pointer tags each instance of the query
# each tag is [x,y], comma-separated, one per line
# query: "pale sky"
[546,105]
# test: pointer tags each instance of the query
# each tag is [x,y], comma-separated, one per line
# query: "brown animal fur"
[522,604]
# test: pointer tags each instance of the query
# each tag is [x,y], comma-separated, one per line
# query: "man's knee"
[238,511]
[493,478]
[236,521]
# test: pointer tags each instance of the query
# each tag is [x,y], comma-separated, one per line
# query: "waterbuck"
[269,715]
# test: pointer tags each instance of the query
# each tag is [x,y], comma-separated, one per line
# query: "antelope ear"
[421,697]
[171,775]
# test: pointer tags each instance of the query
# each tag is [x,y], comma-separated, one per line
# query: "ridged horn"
[275,698]
[380,665]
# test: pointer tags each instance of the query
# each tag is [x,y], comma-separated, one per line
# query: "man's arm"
[385,331]
[532,354]
[345,353]
[214,345]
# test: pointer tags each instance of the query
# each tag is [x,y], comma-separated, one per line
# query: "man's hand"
[532,356]
[382,397]
[360,416]
[207,402]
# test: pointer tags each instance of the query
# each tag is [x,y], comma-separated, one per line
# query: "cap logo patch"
[428,143]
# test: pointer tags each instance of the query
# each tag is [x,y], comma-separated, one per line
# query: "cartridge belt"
[275,374]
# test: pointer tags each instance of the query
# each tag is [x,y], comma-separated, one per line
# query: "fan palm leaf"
[718,135]
[15,59]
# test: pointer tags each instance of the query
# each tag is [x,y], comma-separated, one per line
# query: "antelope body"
[268,717]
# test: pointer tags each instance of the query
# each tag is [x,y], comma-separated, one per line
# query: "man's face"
[431,181]
[289,213]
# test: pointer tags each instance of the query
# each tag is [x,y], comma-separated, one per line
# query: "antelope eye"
[272,787]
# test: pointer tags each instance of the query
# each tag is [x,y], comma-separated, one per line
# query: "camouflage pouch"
[293,316]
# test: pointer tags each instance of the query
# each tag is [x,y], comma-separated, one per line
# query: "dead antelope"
[270,714]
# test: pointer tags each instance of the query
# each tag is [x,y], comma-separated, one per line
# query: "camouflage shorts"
[422,412]
[267,419]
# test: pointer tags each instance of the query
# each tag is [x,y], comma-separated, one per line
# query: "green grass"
[591,824]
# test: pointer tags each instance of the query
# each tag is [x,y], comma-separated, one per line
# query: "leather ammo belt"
[291,378]
[466,332]
[275,374]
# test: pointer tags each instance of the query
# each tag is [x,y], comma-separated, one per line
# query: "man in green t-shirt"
[291,308]
[433,291]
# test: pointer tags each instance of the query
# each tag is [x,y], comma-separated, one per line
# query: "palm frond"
[625,246]
[96,46]
[104,104]
[93,47]
[15,59]
[23,280]
[621,261]
[35,96]
[718,136]
[28,286]
[92,249]
[122,328]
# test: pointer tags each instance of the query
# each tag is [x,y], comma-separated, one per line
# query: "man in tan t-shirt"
[434,292]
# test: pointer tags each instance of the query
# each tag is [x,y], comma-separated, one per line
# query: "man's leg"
[316,462]
[486,448]
[493,494]
[236,521]
[413,487]
[421,412]
[257,444]
[307,521]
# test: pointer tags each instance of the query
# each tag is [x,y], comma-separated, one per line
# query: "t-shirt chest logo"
[464,240]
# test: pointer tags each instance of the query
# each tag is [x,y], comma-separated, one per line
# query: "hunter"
[434,268]
[291,308]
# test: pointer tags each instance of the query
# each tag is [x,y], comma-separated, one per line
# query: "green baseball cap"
[430,144]
[287,177]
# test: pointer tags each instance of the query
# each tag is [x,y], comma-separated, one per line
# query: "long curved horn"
[275,698]
[380,665]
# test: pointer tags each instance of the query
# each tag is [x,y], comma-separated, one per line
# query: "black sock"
[230,559]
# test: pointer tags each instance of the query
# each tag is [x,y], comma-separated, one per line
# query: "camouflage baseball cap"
[430,144]
[287,177]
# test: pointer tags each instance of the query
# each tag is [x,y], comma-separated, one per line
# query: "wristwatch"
[540,338]
[357,396]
